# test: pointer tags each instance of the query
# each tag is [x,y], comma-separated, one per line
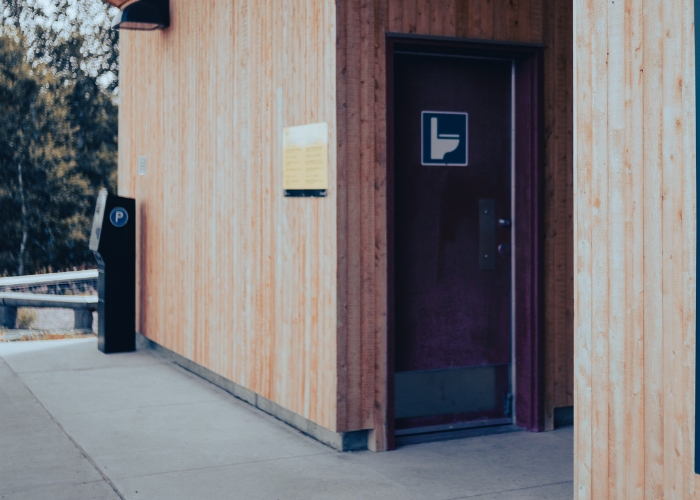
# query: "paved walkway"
[77,424]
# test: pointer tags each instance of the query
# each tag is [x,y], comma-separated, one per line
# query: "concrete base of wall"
[83,320]
[563,416]
[8,317]
[341,441]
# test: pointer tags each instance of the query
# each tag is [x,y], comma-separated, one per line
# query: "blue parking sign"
[118,217]
[444,138]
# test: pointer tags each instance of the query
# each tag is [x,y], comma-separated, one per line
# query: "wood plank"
[616,251]
[565,154]
[536,19]
[558,270]
[633,356]
[690,480]
[423,17]
[366,213]
[220,342]
[462,13]
[449,12]
[380,439]
[410,14]
[522,19]
[671,99]
[502,12]
[353,223]
[328,371]
[583,293]
[342,211]
[395,19]
[600,261]
[266,308]
[481,19]
[653,257]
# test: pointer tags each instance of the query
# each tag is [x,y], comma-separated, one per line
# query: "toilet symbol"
[444,138]
[441,144]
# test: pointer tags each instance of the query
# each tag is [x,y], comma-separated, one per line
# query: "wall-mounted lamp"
[143,15]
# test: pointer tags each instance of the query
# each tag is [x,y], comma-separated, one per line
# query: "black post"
[113,242]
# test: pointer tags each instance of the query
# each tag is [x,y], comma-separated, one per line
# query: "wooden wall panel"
[362,282]
[635,233]
[513,20]
[557,32]
[361,73]
[232,275]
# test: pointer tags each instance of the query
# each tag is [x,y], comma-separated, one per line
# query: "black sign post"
[113,242]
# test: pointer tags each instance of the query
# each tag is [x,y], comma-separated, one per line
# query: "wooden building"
[330,311]
[458,244]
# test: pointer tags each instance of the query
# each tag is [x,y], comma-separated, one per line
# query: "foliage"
[59,82]
[43,196]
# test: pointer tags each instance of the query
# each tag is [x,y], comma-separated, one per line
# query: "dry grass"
[53,336]
[26,336]
[44,324]
[26,318]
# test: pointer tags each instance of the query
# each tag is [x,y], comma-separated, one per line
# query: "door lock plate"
[487,234]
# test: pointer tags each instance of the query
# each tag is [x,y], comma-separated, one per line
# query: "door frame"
[528,246]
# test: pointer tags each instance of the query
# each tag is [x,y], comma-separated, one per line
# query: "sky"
[84,16]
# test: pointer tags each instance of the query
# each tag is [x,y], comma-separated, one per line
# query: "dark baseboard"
[563,416]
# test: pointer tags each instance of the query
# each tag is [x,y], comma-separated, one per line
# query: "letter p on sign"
[118,217]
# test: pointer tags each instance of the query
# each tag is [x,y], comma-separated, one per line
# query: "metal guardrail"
[83,305]
[37,279]
[20,299]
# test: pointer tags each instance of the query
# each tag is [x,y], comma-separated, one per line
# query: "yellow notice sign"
[305,157]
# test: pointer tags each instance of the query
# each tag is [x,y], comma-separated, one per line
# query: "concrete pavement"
[77,424]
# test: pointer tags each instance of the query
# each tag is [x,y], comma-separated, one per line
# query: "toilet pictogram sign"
[444,138]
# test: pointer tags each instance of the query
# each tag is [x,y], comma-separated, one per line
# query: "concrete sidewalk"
[78,424]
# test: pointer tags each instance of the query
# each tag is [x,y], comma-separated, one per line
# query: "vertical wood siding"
[232,275]
[362,259]
[558,206]
[635,219]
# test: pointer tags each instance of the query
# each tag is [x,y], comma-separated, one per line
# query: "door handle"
[504,222]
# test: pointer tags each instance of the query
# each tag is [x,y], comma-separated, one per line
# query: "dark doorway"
[464,299]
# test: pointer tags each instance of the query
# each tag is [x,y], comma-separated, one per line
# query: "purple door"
[452,240]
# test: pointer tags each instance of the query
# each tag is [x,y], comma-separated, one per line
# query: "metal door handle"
[504,222]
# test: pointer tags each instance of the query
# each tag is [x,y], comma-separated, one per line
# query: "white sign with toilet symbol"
[444,138]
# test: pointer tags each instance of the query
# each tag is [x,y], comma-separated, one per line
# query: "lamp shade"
[143,15]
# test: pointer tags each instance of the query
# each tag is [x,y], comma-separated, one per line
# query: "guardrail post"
[83,320]
[8,317]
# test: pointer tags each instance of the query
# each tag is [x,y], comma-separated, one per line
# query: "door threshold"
[454,431]
[453,427]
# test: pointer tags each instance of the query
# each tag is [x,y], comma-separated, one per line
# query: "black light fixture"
[145,15]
